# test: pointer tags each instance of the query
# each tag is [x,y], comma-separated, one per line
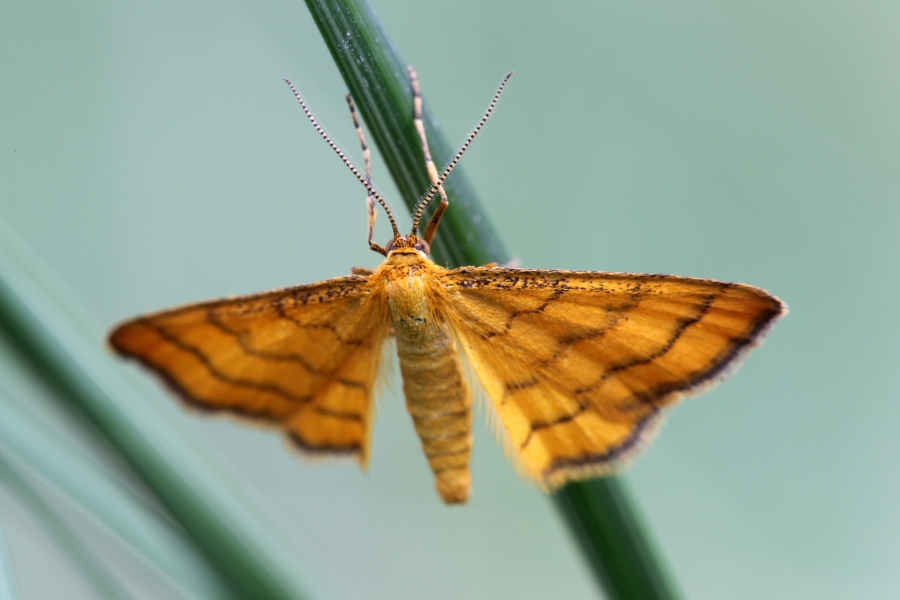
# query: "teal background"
[151,155]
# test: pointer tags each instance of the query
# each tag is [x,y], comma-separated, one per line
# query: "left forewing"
[579,364]
[302,358]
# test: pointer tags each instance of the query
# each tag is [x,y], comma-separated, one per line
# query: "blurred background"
[150,155]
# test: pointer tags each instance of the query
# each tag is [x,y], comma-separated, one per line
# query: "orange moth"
[577,366]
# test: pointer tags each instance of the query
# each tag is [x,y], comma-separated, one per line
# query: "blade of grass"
[598,512]
[103,581]
[148,533]
[8,589]
[613,540]
[247,552]
[379,83]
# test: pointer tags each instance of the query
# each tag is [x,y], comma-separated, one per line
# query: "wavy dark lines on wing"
[216,373]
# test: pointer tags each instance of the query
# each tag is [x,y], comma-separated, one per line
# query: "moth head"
[407,244]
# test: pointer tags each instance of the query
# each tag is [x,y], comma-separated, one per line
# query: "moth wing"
[578,365]
[303,359]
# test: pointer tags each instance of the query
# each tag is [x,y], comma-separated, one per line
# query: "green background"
[150,155]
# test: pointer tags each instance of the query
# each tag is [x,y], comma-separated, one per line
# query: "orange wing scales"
[578,365]
[304,359]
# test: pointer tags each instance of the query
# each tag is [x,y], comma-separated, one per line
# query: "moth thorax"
[409,305]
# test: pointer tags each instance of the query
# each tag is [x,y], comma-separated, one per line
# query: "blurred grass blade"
[147,532]
[8,589]
[603,520]
[598,512]
[233,534]
[103,581]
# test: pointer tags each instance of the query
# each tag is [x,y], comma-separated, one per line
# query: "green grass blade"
[146,531]
[378,81]
[610,534]
[8,588]
[103,581]
[613,540]
[233,534]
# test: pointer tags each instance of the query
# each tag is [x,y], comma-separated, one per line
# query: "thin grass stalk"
[228,530]
[141,526]
[8,588]
[599,513]
[100,577]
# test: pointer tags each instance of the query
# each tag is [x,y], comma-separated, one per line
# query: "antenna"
[344,158]
[425,200]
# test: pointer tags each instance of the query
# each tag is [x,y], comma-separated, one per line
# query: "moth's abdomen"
[437,395]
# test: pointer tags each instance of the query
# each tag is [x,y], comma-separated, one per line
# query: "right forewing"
[579,364]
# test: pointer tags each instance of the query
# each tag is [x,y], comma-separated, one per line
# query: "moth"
[578,367]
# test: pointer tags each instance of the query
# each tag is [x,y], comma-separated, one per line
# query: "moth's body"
[577,366]
[437,395]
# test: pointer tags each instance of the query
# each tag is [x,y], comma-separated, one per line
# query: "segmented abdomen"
[437,395]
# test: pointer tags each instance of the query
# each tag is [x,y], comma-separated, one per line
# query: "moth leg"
[360,271]
[429,164]
[367,163]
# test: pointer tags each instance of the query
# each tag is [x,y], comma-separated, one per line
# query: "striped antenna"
[425,200]
[363,180]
